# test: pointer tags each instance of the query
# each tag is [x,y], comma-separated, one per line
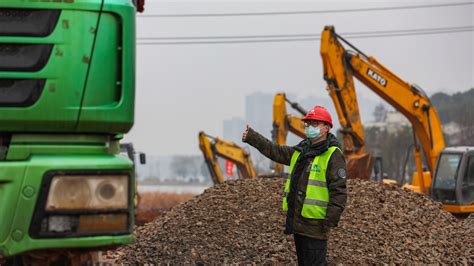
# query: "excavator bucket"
[360,166]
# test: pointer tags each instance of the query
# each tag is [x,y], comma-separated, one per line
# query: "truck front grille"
[28,54]
[27,22]
[20,92]
[24,57]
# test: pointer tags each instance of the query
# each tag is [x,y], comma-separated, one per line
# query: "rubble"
[241,222]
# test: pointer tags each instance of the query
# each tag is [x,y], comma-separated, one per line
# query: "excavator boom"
[409,100]
[341,89]
[228,150]
[210,158]
[284,122]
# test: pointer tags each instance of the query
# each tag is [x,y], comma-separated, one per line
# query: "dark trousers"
[310,251]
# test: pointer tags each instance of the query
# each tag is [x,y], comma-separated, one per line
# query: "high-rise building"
[259,112]
[233,129]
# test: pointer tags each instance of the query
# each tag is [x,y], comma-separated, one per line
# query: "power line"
[411,34]
[305,35]
[233,41]
[305,12]
[408,30]
[276,40]
[230,37]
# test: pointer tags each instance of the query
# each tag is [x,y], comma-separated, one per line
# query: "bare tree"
[184,166]
[380,113]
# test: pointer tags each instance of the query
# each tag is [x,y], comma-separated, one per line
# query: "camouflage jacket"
[335,176]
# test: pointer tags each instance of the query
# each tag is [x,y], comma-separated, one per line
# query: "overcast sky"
[182,89]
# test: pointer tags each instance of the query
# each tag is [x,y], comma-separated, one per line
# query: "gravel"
[240,222]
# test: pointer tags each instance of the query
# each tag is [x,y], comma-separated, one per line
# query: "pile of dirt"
[387,224]
[469,222]
[241,222]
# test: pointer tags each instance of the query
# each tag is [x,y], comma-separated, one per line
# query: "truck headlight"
[85,192]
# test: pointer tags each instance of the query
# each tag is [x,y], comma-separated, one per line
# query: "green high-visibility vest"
[317,194]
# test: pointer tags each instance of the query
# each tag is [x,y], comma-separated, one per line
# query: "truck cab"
[67,86]
[453,182]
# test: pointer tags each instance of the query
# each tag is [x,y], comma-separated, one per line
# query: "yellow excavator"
[449,177]
[213,147]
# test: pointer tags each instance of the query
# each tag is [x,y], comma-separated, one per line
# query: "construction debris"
[240,222]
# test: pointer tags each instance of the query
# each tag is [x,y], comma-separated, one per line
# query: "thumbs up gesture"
[244,135]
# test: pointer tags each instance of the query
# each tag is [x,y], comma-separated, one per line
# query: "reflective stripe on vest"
[317,194]
[294,158]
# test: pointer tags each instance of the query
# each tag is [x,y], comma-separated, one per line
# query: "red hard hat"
[319,113]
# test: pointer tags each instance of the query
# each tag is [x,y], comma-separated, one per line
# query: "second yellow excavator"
[213,147]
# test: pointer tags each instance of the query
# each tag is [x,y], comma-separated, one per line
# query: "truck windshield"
[467,187]
[444,187]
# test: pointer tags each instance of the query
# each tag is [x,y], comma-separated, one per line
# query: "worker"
[315,193]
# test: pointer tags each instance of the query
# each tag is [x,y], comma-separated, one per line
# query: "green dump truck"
[67,81]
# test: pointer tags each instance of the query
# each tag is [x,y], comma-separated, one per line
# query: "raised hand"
[244,135]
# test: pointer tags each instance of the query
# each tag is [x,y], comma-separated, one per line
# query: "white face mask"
[312,132]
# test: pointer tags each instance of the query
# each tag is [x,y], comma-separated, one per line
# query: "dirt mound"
[469,222]
[386,224]
[241,222]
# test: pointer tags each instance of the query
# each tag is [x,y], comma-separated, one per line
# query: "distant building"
[233,129]
[259,112]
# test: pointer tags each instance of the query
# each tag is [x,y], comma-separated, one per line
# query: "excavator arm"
[229,151]
[341,65]
[341,89]
[284,122]
[210,158]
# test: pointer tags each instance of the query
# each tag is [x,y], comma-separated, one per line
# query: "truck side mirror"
[142,158]
[139,4]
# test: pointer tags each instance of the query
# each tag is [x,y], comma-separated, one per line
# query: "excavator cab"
[453,182]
